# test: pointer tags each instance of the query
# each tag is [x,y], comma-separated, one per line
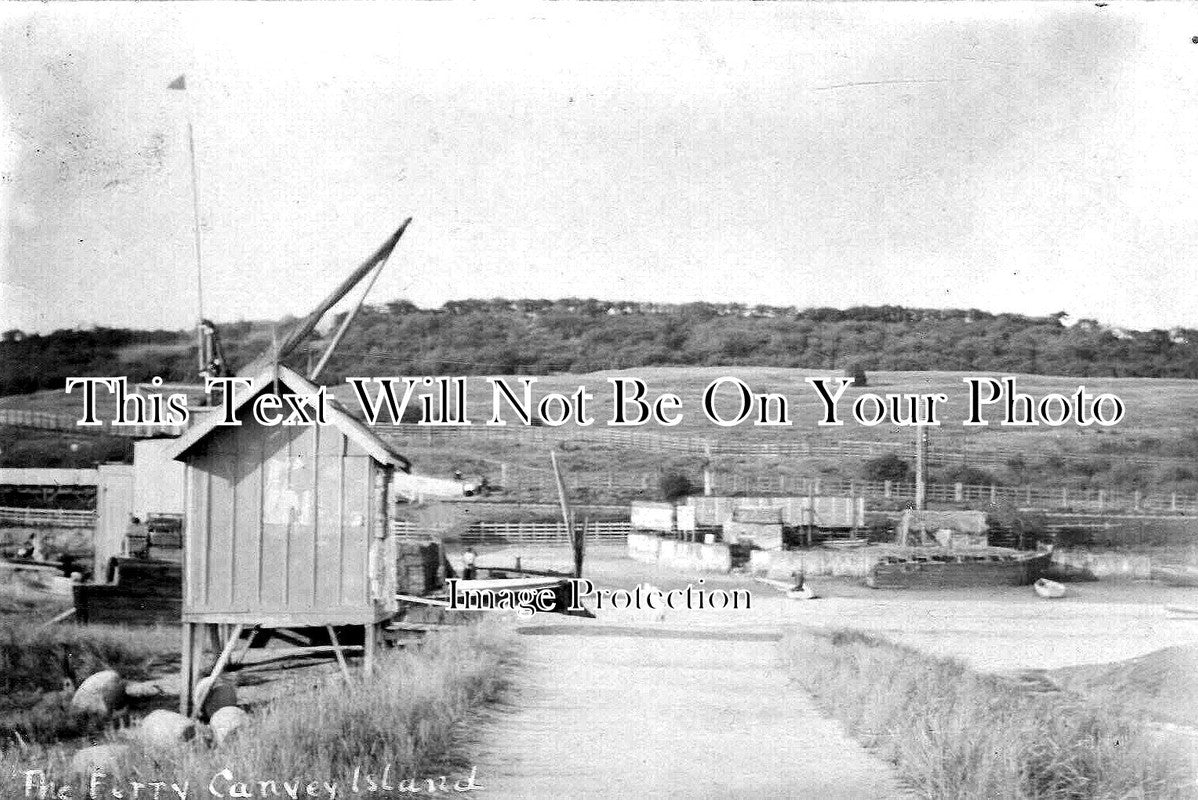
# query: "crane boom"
[309,323]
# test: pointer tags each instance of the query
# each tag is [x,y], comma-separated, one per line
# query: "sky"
[1012,157]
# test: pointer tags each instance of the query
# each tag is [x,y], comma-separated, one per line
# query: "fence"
[519,533]
[525,484]
[1045,498]
[24,418]
[47,518]
[957,451]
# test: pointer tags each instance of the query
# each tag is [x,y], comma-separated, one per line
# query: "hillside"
[541,337]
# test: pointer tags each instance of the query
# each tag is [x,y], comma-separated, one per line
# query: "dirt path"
[645,711]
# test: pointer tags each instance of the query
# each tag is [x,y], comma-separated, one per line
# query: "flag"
[179,82]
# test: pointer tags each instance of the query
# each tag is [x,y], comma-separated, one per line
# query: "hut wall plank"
[277,504]
[197,522]
[247,518]
[355,513]
[221,495]
[327,563]
[301,533]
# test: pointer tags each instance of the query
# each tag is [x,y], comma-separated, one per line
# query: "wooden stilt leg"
[214,637]
[185,670]
[337,651]
[249,640]
[225,654]
[198,648]
[371,641]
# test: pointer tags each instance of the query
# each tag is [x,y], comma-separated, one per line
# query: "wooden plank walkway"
[646,712]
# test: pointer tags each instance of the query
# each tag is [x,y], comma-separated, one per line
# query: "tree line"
[500,336]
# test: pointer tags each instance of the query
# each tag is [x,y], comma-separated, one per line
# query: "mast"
[201,355]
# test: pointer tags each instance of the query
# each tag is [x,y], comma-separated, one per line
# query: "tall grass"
[955,733]
[408,716]
[37,663]
[33,658]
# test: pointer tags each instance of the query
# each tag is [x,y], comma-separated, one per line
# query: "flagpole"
[195,206]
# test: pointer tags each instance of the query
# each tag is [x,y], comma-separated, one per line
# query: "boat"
[1176,574]
[1049,589]
[927,568]
[792,590]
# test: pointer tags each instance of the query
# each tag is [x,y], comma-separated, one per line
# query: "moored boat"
[1176,575]
[946,570]
[1048,589]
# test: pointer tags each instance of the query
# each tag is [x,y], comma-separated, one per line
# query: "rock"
[106,757]
[164,728]
[99,694]
[222,695]
[227,721]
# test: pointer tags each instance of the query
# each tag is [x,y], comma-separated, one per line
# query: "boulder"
[227,721]
[164,728]
[222,694]
[105,757]
[100,694]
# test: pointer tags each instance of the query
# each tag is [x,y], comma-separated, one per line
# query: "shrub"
[886,468]
[857,372]
[970,476]
[673,485]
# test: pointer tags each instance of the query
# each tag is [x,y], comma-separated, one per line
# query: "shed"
[287,526]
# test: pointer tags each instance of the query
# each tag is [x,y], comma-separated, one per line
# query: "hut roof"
[353,428]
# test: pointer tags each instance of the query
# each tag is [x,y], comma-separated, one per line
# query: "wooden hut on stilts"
[287,532]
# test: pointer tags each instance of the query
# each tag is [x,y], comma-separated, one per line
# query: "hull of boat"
[957,571]
[1049,590]
[1176,576]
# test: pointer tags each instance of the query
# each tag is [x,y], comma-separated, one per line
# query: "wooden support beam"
[225,654]
[70,612]
[294,653]
[338,653]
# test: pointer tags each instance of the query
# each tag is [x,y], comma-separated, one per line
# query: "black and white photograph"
[592,400]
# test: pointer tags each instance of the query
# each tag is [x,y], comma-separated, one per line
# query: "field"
[1151,448]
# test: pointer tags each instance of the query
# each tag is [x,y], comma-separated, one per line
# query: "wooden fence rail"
[47,517]
[44,420]
[518,533]
[952,452]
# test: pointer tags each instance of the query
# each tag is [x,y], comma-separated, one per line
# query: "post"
[185,672]
[921,468]
[370,641]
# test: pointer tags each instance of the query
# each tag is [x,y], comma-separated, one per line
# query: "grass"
[409,716]
[36,664]
[17,600]
[955,733]
[1161,684]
